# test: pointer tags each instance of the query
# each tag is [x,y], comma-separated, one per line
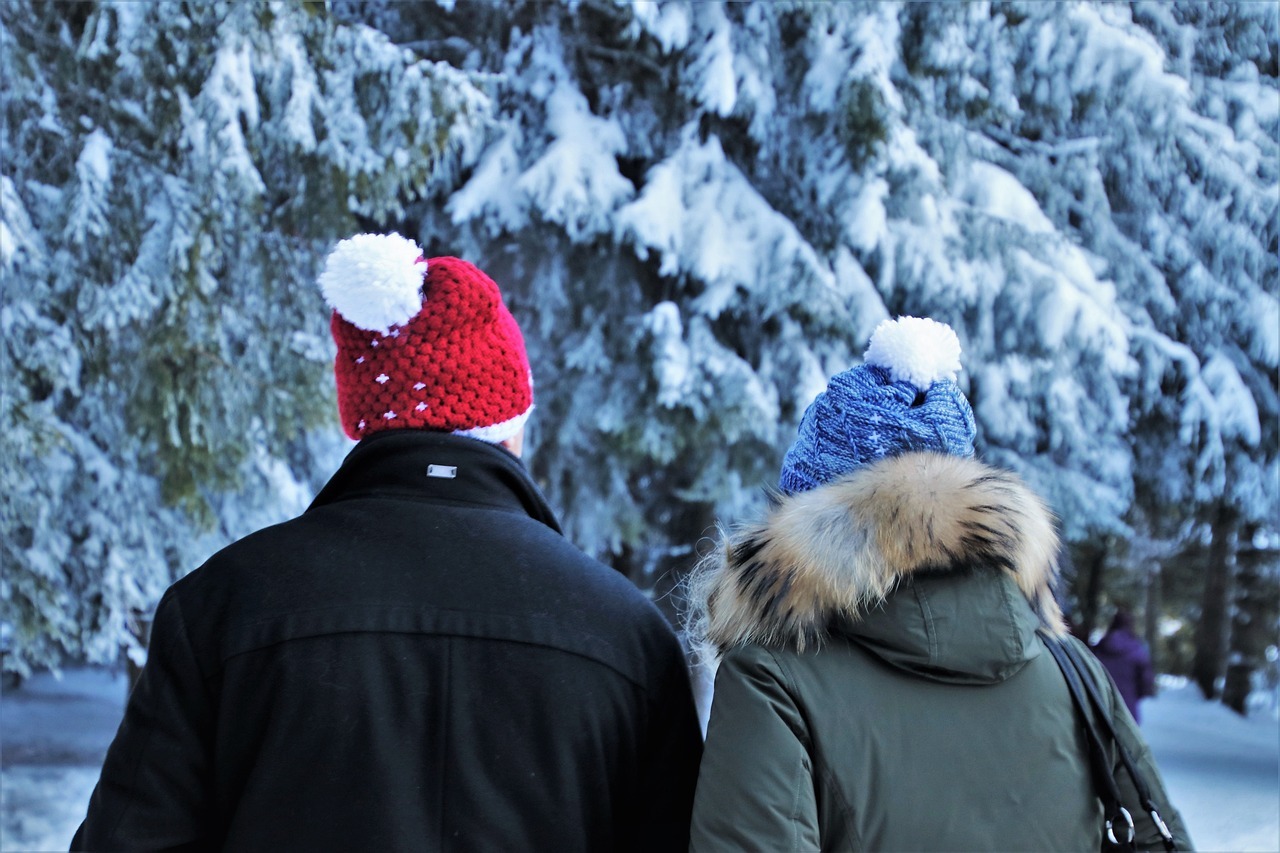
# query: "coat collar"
[437,467]
[837,552]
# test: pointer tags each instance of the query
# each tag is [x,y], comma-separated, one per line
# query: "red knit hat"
[422,344]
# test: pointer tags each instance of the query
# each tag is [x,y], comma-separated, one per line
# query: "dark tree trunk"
[1210,662]
[1091,568]
[1152,609]
[1253,621]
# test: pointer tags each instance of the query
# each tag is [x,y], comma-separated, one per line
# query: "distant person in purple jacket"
[1126,657]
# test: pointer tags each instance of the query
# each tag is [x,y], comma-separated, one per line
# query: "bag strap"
[1104,716]
[1116,815]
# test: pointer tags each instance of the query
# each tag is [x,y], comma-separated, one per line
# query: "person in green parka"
[883,682]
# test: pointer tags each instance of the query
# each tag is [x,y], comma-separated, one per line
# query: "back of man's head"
[423,344]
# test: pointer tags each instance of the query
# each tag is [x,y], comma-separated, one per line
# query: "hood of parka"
[937,564]
[969,627]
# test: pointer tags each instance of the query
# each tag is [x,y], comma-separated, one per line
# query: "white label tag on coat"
[445,472]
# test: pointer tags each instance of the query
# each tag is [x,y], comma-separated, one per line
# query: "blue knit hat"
[903,397]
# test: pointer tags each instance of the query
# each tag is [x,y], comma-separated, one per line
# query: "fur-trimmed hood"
[830,559]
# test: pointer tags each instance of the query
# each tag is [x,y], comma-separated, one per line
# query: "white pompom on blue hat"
[903,398]
[916,350]
[375,280]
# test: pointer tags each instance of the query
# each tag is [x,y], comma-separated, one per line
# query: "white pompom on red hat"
[374,280]
[422,344]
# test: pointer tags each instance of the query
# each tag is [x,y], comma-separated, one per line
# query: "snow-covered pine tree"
[704,209]
[676,313]
[1218,247]
[1149,135]
[171,175]
[699,211]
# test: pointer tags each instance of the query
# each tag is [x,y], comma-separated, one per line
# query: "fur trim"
[842,548]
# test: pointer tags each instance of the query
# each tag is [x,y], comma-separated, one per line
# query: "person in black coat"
[420,661]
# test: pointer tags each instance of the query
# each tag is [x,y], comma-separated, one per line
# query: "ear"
[515,444]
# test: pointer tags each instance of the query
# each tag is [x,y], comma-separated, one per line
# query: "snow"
[718,90]
[17,235]
[303,91]
[1237,413]
[867,224]
[1222,771]
[95,157]
[671,356]
[1265,313]
[667,22]
[998,193]
[487,195]
[576,183]
[828,65]
[701,214]
[876,38]
[144,283]
[139,293]
[93,172]
[55,735]
[1117,56]
[232,96]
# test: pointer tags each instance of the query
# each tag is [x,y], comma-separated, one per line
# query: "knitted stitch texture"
[864,415]
[458,366]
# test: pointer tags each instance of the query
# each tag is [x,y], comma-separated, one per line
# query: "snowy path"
[1222,771]
[53,737]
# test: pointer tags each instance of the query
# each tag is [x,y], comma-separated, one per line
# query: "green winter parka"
[884,683]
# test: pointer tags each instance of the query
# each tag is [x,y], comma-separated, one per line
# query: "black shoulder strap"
[1126,758]
[1117,817]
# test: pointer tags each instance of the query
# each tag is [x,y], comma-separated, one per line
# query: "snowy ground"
[1223,771]
[53,737]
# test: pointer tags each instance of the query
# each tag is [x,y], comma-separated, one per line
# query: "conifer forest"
[697,212]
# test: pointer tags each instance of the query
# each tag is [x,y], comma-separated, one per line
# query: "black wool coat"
[418,662]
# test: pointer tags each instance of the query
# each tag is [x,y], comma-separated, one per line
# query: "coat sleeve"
[153,793]
[1146,834]
[755,786]
[668,763]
